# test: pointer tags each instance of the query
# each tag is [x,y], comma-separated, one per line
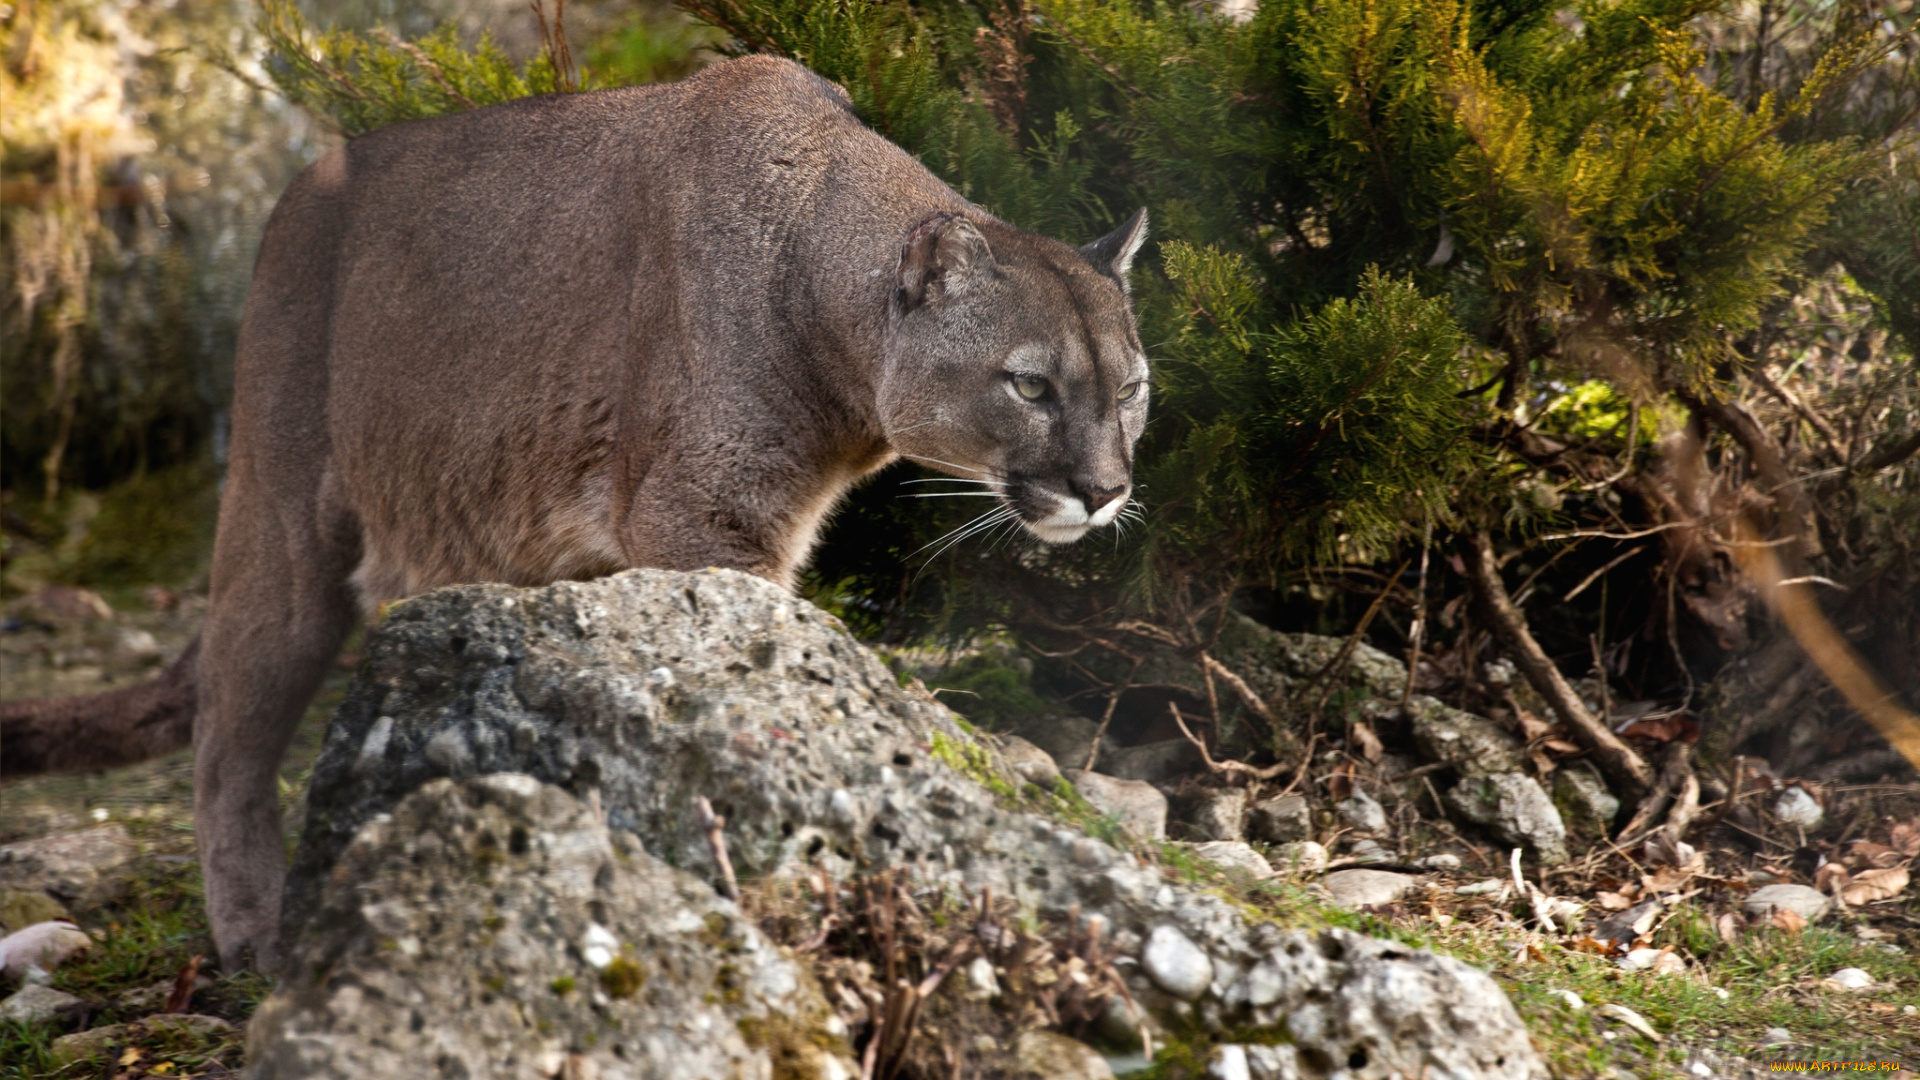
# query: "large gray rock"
[1514,808]
[653,688]
[1472,745]
[1211,814]
[1803,900]
[1137,805]
[36,1004]
[1368,888]
[497,928]
[1585,802]
[1281,820]
[83,868]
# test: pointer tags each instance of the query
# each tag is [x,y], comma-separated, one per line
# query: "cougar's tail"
[99,731]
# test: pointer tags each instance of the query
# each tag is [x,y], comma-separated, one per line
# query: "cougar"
[664,326]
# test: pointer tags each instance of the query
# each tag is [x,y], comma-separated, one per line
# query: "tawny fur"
[663,326]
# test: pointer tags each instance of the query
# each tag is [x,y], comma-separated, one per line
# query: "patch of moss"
[562,985]
[973,761]
[623,978]
[152,529]
[795,1048]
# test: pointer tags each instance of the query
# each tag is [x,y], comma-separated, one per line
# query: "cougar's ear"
[944,255]
[1113,253]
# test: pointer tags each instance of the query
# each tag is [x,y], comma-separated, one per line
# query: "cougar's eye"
[1030,387]
[1129,391]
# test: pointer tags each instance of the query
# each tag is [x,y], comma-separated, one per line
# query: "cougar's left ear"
[1113,253]
[944,255]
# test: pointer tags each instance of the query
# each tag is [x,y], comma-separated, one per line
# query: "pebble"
[1141,808]
[1850,979]
[1367,888]
[1803,900]
[1029,762]
[33,1004]
[47,944]
[1361,812]
[1235,855]
[1176,964]
[1624,1015]
[1567,998]
[1776,1037]
[1796,807]
[1229,1062]
[1299,857]
[981,984]
[1442,861]
[1368,851]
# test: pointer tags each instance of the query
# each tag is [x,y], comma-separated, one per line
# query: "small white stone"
[1229,1062]
[1851,979]
[1699,1068]
[1722,993]
[101,813]
[1362,813]
[599,947]
[1442,861]
[1796,807]
[981,985]
[1176,964]
[1776,1037]
[1299,857]
[1567,998]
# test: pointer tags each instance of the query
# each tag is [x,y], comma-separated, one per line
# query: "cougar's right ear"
[944,255]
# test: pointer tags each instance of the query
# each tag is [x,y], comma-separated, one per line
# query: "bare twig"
[1106,718]
[717,843]
[1620,762]
[1240,767]
[1419,628]
[1239,686]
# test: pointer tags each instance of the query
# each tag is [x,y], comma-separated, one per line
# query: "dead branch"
[1890,455]
[1239,686]
[1240,767]
[1758,373]
[1619,761]
[1106,718]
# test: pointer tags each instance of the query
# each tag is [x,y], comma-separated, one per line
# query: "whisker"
[948,464]
[950,495]
[949,480]
[979,524]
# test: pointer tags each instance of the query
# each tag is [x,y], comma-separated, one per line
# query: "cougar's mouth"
[1057,518]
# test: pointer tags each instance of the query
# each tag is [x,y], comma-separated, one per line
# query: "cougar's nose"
[1095,495]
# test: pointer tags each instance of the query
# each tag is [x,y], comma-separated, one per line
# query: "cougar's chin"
[1068,522]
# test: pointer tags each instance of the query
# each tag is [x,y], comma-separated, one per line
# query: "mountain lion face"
[1013,362]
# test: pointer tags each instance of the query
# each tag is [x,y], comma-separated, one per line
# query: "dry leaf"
[1368,742]
[1871,885]
[1728,927]
[1531,726]
[1906,837]
[1542,763]
[1613,901]
[131,1055]
[1877,856]
[1561,746]
[1668,879]
[1831,876]
[1788,920]
[1665,729]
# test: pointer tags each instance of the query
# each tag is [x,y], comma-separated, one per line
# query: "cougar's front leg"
[278,610]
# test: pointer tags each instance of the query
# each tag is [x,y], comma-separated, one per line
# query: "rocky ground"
[942,904]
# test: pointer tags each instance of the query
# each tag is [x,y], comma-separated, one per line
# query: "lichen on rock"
[648,689]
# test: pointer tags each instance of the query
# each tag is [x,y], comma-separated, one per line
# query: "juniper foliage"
[1390,233]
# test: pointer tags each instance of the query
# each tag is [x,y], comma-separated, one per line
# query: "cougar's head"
[1013,362]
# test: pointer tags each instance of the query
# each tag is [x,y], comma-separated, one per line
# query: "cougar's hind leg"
[279,608]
